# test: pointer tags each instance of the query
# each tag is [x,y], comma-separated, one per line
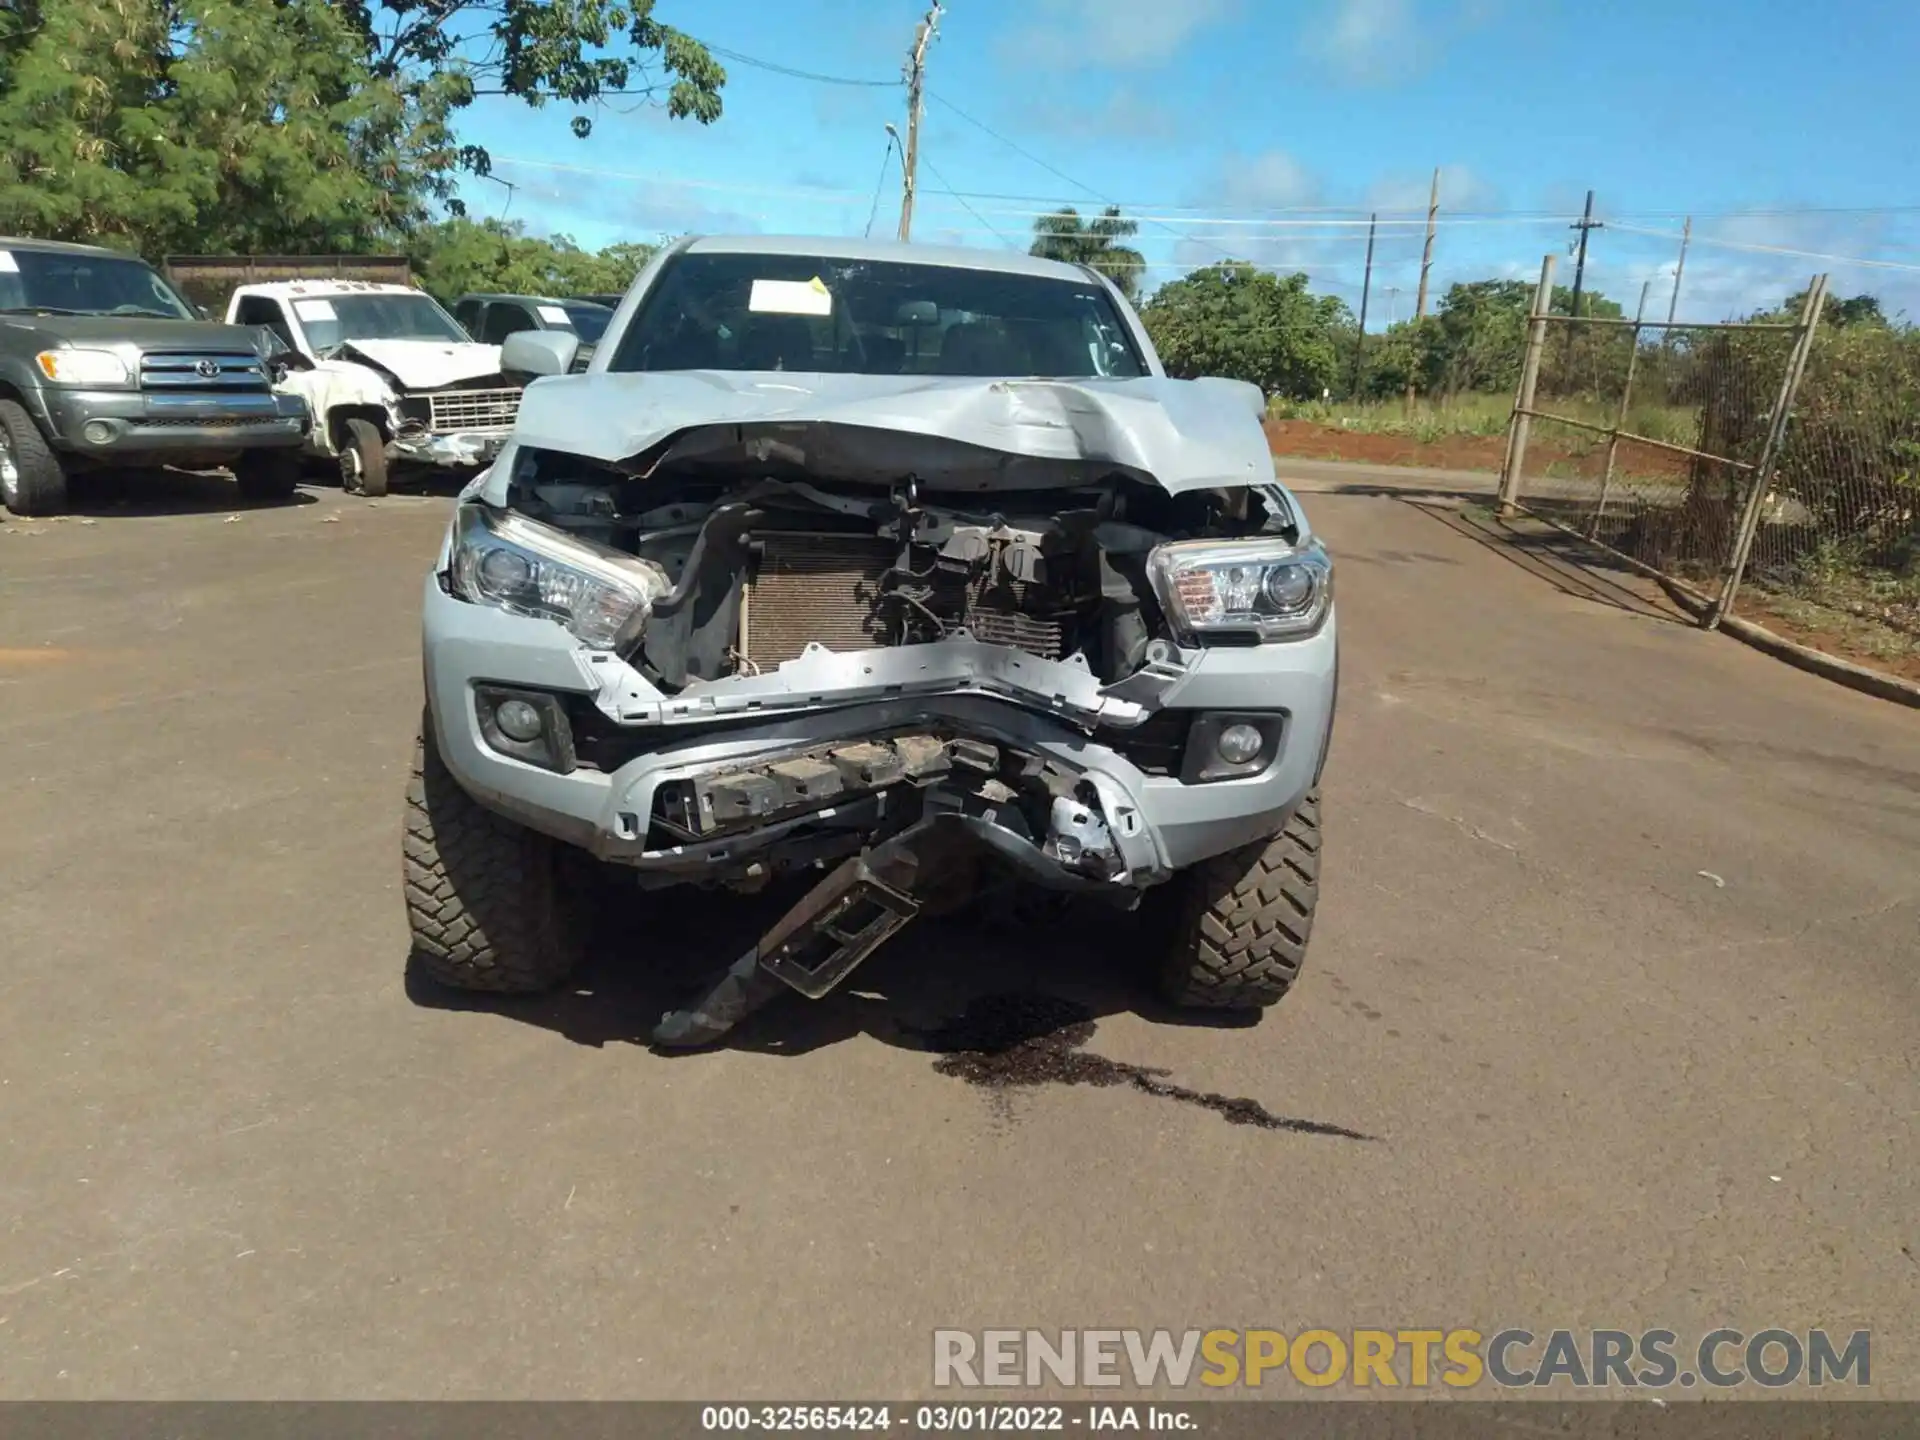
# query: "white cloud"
[1367,41]
[1125,112]
[1272,180]
[1112,34]
[1460,189]
[1375,42]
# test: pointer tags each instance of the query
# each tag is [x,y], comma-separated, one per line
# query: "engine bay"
[765,565]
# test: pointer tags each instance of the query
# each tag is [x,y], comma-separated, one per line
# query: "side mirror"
[539,352]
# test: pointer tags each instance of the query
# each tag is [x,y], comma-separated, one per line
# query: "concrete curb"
[1802,657]
[1841,672]
[1816,662]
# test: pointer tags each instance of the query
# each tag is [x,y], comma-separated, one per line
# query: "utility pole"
[1366,290]
[916,75]
[1584,224]
[1426,257]
[1686,234]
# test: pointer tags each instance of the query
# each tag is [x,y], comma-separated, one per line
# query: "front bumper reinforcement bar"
[851,913]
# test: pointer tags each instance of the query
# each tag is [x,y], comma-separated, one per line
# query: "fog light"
[520,721]
[98,432]
[1239,744]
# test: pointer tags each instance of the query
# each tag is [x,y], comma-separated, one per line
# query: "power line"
[1010,244]
[789,71]
[1248,217]
[1019,150]
[1061,174]
[1774,249]
[886,155]
[1311,231]
[823,193]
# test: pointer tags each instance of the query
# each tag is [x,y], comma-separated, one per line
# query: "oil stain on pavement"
[1006,1042]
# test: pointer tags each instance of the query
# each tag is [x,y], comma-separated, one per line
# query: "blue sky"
[1267,130]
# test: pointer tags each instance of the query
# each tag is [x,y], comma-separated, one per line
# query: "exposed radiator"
[819,589]
[812,589]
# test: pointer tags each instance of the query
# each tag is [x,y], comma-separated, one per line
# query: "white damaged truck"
[884,566]
[391,378]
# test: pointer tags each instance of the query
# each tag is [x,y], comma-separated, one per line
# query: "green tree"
[1065,235]
[1235,320]
[292,124]
[439,55]
[459,256]
[203,125]
[1475,339]
[1838,313]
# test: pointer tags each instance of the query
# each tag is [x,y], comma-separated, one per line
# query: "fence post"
[1620,416]
[1516,460]
[1770,456]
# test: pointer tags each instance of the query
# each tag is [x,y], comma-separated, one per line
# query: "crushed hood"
[425,364]
[953,433]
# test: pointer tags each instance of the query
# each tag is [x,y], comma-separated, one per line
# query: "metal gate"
[1658,441]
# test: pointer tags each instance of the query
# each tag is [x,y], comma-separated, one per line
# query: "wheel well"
[338,416]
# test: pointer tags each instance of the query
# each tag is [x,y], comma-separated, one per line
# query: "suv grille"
[201,370]
[473,410]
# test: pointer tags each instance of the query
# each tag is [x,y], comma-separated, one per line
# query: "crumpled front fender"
[332,386]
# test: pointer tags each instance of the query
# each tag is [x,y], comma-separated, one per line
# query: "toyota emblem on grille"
[206,369]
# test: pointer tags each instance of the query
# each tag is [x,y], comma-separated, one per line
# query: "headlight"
[82,367]
[526,568]
[1262,587]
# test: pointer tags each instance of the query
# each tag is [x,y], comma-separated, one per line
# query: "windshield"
[330,320]
[86,285]
[866,317]
[589,321]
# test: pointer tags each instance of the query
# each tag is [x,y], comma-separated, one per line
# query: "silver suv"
[895,564]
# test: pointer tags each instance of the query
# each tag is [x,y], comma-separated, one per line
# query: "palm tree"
[1064,235]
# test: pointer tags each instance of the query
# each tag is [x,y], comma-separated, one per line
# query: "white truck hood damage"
[425,364]
[952,433]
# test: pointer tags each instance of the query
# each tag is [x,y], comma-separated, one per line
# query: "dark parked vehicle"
[612,302]
[104,365]
[490,319]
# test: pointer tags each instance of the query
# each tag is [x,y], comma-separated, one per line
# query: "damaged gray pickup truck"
[894,565]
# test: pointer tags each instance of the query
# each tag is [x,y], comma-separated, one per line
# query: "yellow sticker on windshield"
[790,297]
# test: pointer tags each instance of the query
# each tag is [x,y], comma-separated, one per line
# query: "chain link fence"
[1770,467]
[1839,546]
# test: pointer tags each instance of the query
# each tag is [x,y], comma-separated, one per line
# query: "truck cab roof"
[287,289]
[60,247]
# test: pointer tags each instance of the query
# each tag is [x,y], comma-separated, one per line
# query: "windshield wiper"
[144,310]
[40,310]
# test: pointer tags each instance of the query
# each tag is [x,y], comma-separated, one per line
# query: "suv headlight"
[525,568]
[82,367]
[1262,587]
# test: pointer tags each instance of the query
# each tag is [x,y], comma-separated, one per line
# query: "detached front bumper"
[104,424]
[460,450]
[1159,823]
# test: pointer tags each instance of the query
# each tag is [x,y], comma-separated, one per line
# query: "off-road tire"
[486,898]
[267,474]
[38,483]
[1245,918]
[363,458]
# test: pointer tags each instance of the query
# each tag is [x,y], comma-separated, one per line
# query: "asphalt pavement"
[1609,1021]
